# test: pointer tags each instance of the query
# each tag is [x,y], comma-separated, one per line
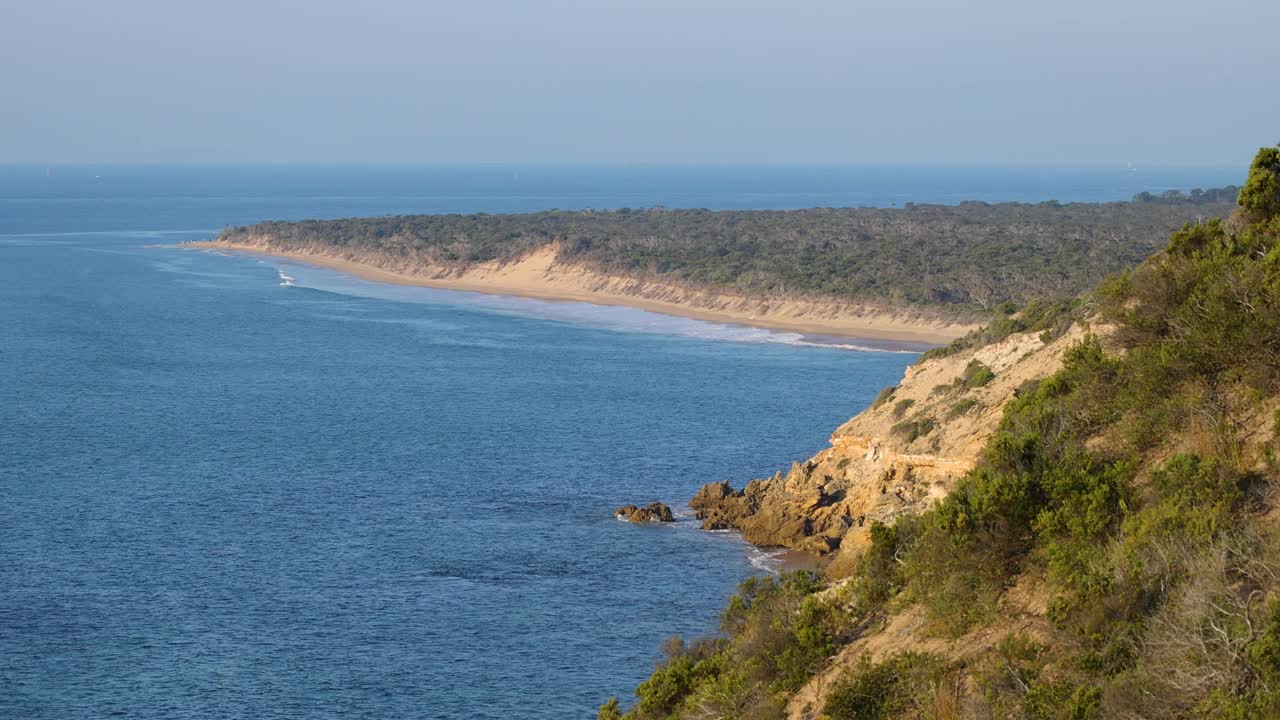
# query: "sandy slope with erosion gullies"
[542,274]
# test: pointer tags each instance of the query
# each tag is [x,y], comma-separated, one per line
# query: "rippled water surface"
[228,494]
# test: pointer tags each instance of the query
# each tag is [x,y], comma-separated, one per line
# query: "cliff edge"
[897,457]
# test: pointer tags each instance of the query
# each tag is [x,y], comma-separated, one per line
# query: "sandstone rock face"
[653,512]
[880,464]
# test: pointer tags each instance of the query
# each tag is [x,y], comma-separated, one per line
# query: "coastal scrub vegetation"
[959,261]
[774,633]
[1135,487]
[1050,318]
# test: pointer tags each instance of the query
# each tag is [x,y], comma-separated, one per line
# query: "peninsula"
[922,273]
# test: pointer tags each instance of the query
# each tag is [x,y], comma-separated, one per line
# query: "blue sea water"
[245,488]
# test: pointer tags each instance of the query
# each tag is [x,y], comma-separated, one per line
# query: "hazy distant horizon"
[222,195]
[619,164]
[995,82]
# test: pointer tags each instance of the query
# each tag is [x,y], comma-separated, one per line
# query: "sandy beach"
[537,275]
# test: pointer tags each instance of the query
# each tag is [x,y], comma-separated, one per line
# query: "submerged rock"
[653,512]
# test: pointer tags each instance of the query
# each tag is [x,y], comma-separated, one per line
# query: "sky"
[649,81]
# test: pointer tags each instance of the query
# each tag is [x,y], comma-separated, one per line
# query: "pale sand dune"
[538,275]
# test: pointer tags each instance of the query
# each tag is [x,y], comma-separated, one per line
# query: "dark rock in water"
[653,512]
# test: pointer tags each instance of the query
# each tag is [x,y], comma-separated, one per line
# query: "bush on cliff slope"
[775,633]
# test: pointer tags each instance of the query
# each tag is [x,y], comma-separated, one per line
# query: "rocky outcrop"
[653,512]
[897,457]
[766,518]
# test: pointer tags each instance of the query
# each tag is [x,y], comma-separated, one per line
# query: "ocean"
[237,487]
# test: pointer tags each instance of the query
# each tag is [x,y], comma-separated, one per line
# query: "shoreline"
[535,277]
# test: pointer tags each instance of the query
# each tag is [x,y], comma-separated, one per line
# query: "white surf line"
[612,318]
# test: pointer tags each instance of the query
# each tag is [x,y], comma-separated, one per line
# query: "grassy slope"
[1114,554]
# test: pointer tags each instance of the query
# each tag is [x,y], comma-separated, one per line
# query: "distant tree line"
[973,255]
[1195,197]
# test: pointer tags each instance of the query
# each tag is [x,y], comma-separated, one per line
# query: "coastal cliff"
[1077,524]
[897,457]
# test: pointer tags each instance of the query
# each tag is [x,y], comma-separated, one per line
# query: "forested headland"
[960,260]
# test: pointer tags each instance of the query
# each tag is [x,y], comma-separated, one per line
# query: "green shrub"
[1192,239]
[775,633]
[812,640]
[961,407]
[976,375]
[1195,499]
[883,690]
[911,430]
[884,396]
[1013,666]
[1264,653]
[1061,700]
[666,688]
[1083,501]
[1261,191]
[902,407]
[877,576]
[1051,318]
[610,710]
[943,389]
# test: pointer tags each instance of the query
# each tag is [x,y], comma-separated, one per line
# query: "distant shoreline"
[535,276]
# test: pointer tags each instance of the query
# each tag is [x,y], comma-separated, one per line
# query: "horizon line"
[620,164]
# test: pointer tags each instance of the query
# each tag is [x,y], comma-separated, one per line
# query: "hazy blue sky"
[914,81]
